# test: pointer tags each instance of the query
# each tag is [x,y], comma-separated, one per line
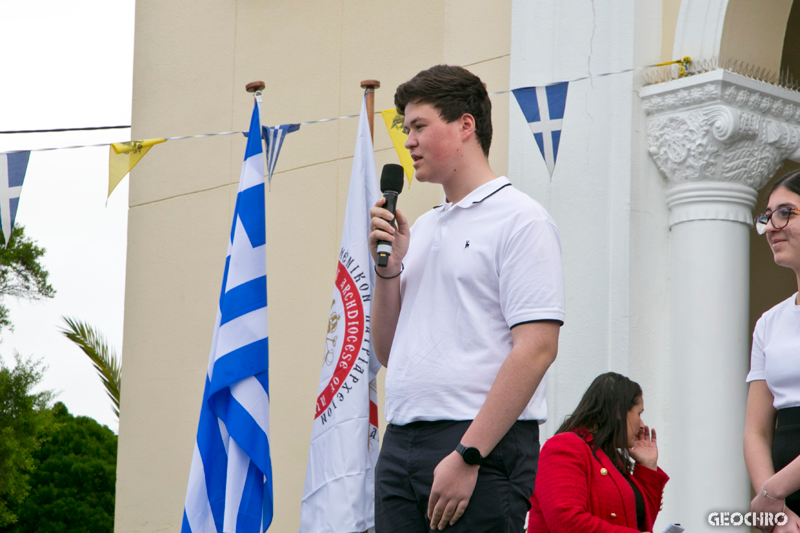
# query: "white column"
[709,303]
[717,137]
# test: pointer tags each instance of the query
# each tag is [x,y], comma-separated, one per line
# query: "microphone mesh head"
[392,178]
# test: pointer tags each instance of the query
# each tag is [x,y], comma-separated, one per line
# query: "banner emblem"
[347,306]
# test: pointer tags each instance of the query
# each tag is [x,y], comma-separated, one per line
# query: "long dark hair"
[790,182]
[602,412]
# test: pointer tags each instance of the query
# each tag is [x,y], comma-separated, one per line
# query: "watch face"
[472,456]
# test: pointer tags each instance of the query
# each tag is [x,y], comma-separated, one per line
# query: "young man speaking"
[465,317]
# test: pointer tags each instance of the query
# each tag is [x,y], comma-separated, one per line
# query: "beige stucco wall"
[192,61]
[754,31]
[670,9]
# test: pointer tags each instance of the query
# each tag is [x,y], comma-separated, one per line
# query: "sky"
[69,65]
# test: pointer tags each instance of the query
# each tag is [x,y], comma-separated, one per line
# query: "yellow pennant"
[122,157]
[394,124]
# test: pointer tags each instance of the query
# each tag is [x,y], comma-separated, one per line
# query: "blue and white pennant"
[274,136]
[230,483]
[543,108]
[12,174]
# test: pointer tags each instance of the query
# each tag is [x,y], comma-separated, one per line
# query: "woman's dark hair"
[790,182]
[453,92]
[603,413]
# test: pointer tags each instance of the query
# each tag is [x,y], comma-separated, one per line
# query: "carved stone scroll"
[722,127]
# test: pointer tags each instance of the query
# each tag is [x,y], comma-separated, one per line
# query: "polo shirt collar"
[480,194]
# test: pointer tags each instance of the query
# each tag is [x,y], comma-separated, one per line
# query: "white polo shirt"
[473,271]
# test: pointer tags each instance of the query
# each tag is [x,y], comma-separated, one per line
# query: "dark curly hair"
[453,92]
[603,412]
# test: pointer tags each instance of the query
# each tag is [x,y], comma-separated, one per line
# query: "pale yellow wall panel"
[670,9]
[193,80]
[476,30]
[311,145]
[754,31]
[348,129]
[384,41]
[180,167]
[175,267]
[301,268]
[294,47]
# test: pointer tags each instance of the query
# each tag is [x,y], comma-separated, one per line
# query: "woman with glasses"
[599,471]
[772,421]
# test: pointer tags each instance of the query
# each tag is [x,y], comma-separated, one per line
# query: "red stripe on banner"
[354,336]
[373,414]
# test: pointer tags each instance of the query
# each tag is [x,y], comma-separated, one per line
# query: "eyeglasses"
[779,217]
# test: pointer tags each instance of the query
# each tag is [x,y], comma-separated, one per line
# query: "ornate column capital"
[721,127]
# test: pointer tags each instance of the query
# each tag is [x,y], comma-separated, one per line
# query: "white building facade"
[654,191]
[654,194]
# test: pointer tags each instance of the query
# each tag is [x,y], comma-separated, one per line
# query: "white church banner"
[339,490]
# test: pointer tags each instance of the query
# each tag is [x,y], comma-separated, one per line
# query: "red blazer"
[577,493]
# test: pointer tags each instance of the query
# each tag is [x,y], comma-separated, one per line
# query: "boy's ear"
[467,125]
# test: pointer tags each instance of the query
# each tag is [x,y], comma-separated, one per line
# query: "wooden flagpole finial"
[370,86]
[254,86]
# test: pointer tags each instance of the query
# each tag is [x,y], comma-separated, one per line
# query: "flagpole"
[255,87]
[370,86]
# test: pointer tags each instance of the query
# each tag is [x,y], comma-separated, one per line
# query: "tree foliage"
[104,358]
[21,274]
[24,421]
[73,482]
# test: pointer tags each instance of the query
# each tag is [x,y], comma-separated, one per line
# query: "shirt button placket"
[437,238]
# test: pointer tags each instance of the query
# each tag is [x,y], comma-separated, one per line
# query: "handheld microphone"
[391,185]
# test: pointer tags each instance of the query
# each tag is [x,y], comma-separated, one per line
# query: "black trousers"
[786,447]
[404,476]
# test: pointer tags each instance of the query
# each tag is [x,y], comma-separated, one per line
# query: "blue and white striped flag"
[230,483]
[274,137]
[12,174]
[543,108]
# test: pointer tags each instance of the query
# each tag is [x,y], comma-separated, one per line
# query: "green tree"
[24,420]
[21,274]
[104,358]
[73,482]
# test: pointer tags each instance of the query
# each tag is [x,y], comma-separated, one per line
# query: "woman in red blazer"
[586,481]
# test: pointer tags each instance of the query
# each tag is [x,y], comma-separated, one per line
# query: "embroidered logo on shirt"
[466,245]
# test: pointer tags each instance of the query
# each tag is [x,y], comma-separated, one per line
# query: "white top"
[473,270]
[776,353]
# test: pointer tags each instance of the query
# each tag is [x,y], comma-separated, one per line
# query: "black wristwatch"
[471,456]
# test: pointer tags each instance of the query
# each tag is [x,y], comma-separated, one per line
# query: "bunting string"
[180,138]
[683,62]
[543,107]
[110,143]
[68,129]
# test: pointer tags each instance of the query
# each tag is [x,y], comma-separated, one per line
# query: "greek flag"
[543,108]
[230,483]
[12,174]
[274,137]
